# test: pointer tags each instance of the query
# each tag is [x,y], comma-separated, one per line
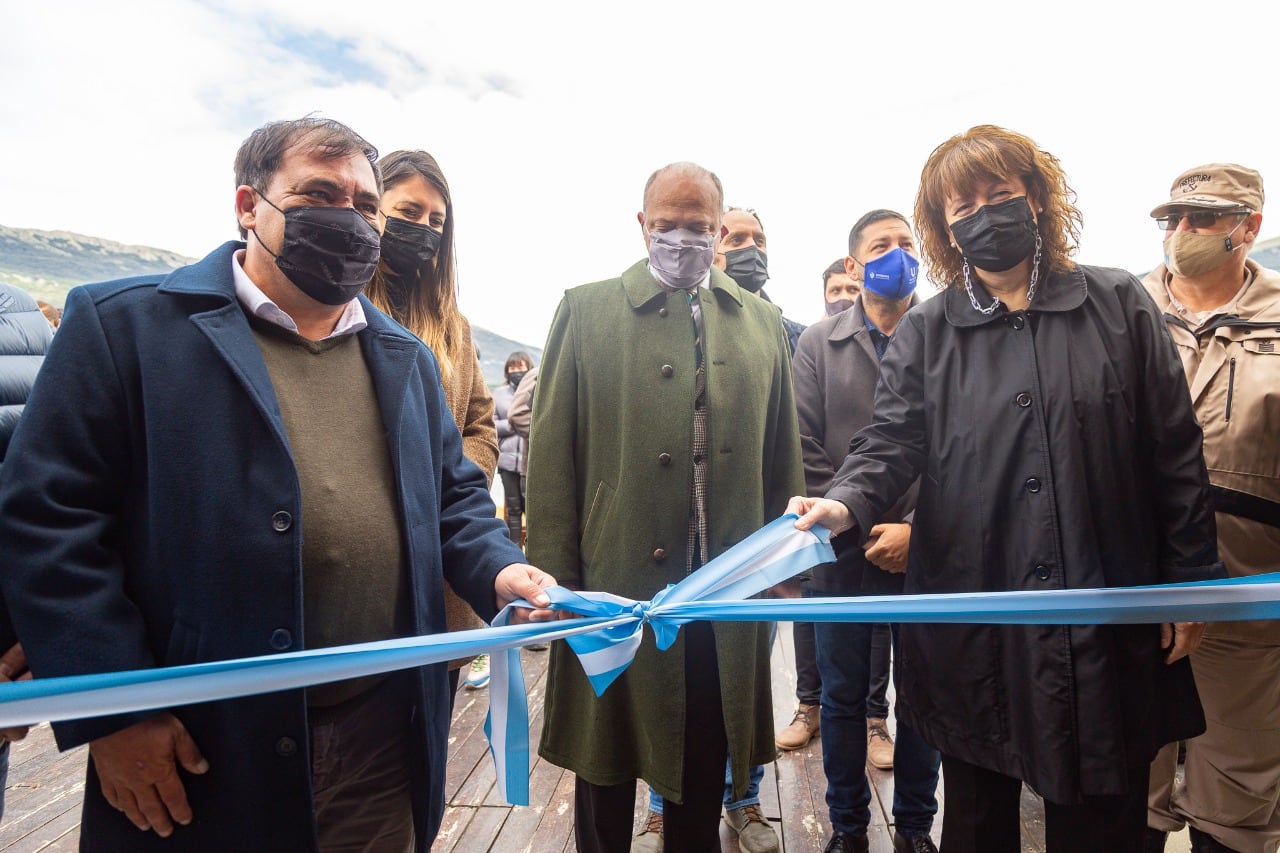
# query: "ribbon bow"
[772,554]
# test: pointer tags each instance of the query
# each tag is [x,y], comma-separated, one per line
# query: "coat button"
[1017,322]
[1033,485]
[1023,399]
[281,521]
[659,554]
[664,458]
[286,746]
[668,370]
[1042,572]
[662,312]
[281,639]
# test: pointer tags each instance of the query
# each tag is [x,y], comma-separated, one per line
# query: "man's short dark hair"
[836,268]
[878,215]
[260,155]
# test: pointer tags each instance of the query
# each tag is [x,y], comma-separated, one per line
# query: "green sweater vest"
[354,585]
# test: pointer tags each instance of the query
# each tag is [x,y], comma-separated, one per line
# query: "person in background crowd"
[628,509]
[416,284]
[511,458]
[1223,311]
[1043,409]
[743,256]
[259,462]
[836,368]
[839,288]
[520,415]
[25,336]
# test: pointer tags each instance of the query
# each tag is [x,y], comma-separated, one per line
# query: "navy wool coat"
[150,516]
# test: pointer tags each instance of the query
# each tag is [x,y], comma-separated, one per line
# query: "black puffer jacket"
[1057,448]
[25,336]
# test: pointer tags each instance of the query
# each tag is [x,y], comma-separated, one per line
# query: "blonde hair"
[429,310]
[979,156]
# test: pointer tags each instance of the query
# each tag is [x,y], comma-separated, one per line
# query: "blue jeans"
[844,662]
[751,799]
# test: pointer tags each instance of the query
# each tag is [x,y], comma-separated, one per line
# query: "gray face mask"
[681,257]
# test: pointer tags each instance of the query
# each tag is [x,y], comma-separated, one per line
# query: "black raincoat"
[1057,448]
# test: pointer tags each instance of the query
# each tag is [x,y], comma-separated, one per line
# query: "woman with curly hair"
[1043,409]
[415,284]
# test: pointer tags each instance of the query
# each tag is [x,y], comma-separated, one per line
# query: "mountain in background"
[47,264]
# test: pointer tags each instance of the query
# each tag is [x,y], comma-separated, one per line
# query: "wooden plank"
[482,830]
[555,830]
[523,821]
[53,832]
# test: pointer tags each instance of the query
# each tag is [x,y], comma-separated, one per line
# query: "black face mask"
[330,253]
[748,266]
[407,247]
[515,376]
[997,237]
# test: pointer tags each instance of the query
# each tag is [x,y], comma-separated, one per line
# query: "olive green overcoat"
[609,494]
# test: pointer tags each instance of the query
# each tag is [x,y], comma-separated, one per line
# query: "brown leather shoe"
[804,726]
[879,744]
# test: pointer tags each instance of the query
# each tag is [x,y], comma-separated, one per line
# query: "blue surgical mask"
[892,275]
[681,257]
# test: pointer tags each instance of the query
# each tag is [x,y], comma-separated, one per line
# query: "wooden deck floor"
[42,808]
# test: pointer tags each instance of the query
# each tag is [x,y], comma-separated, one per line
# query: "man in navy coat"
[241,458]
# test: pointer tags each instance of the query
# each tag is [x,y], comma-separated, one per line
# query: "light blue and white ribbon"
[609,634]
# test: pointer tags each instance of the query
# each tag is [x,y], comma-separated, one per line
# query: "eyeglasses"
[1196,218]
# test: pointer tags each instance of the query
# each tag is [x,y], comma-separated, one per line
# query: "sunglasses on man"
[1196,218]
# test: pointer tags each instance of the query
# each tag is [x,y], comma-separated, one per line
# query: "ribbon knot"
[772,554]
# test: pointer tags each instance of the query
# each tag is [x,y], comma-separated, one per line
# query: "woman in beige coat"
[414,283]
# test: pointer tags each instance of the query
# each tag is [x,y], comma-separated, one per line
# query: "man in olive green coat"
[664,431]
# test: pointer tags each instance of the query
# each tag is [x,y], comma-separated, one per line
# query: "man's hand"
[139,776]
[520,580]
[13,667]
[1180,638]
[887,547]
[832,515]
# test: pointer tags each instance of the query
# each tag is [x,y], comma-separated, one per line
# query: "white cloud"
[122,121]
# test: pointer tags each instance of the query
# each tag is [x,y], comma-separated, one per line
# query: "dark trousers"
[360,774]
[982,815]
[881,652]
[513,493]
[844,658]
[808,681]
[603,814]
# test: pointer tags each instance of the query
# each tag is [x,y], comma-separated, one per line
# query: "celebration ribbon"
[609,633]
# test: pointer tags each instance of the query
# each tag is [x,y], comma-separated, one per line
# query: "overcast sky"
[121,120]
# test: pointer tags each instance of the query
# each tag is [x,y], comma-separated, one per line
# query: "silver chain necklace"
[995,301]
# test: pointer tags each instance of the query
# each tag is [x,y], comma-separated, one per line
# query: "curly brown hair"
[978,156]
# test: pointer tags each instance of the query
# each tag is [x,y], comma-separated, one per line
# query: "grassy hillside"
[47,264]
